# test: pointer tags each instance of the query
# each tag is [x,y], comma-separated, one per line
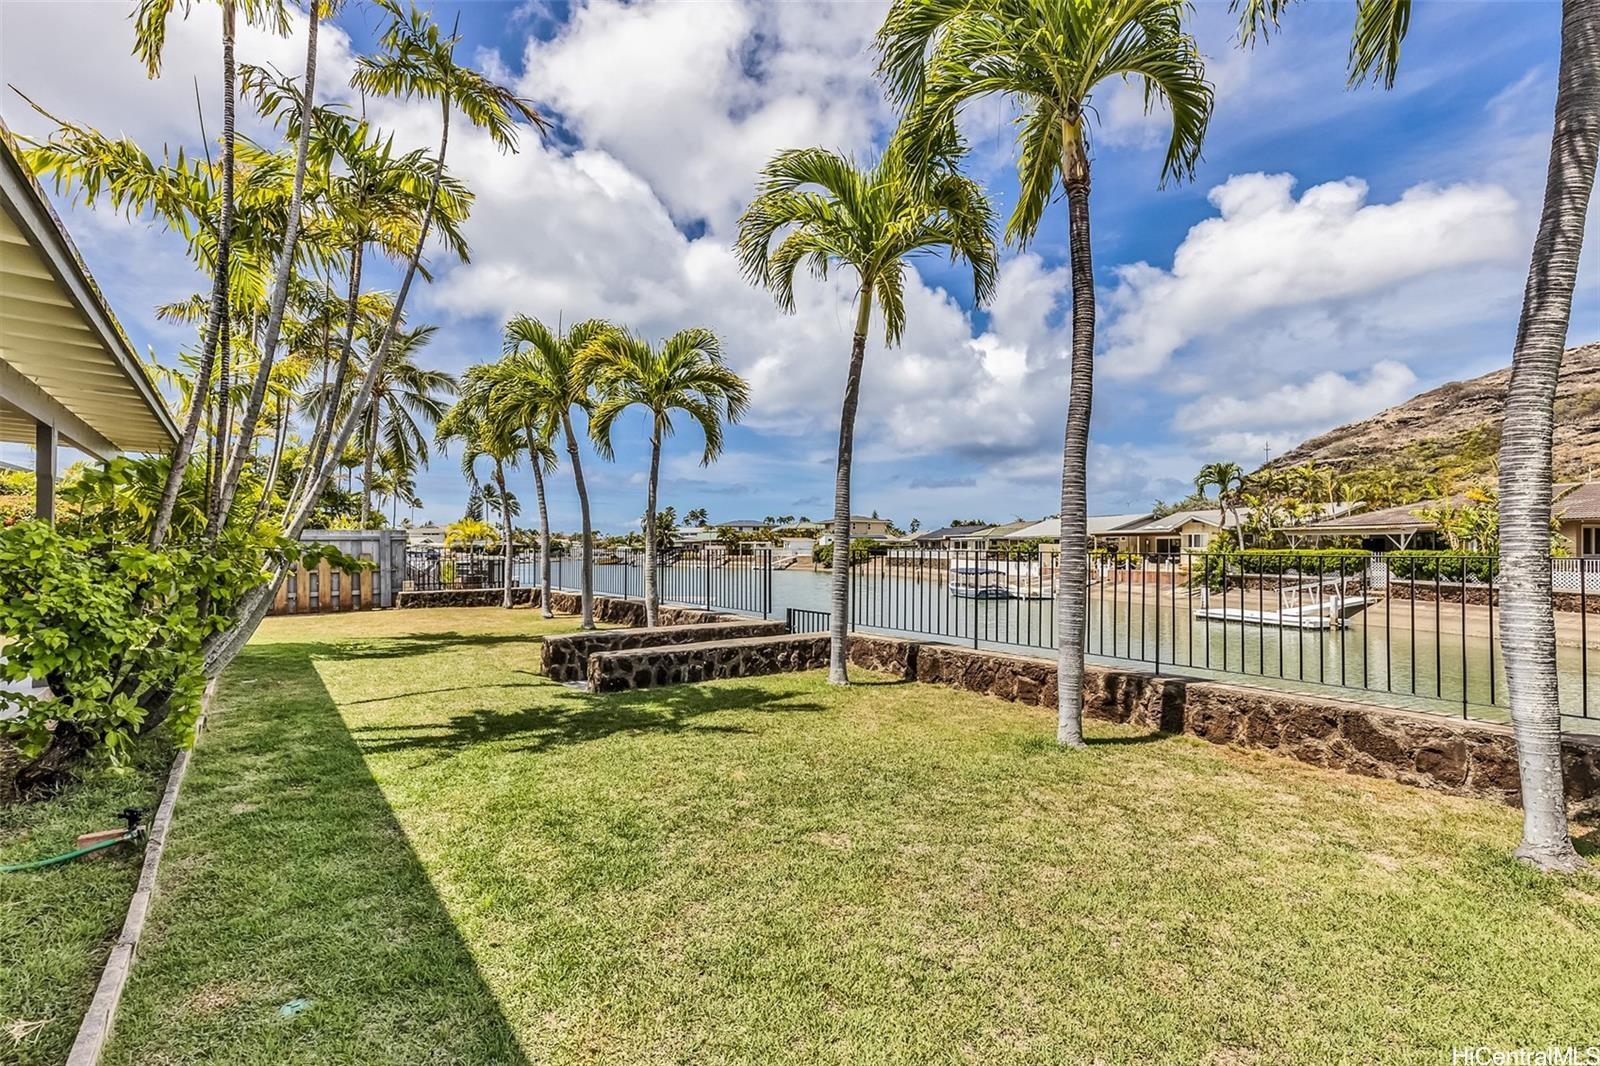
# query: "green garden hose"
[130,815]
[37,864]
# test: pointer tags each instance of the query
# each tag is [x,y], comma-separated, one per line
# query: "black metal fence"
[1417,629]
[803,620]
[706,576]
[438,569]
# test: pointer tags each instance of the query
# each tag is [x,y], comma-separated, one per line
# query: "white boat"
[999,580]
[1310,605]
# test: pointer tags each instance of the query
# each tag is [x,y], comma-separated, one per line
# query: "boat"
[999,581]
[1308,605]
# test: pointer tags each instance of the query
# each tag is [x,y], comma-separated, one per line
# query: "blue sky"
[1337,251]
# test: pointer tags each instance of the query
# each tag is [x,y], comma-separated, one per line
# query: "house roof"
[1175,521]
[945,532]
[64,359]
[1577,502]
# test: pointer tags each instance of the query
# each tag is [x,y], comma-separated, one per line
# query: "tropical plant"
[1049,57]
[483,435]
[542,386]
[1527,613]
[696,517]
[468,533]
[1229,481]
[408,400]
[818,208]
[686,374]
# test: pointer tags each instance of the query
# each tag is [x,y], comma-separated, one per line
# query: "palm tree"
[1228,478]
[278,97]
[468,422]
[687,374]
[543,384]
[1049,56]
[408,400]
[418,62]
[831,213]
[1527,618]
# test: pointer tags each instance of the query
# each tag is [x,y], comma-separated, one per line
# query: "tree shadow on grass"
[401,647]
[562,717]
[294,919]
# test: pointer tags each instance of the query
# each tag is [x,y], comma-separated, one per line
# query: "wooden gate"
[322,589]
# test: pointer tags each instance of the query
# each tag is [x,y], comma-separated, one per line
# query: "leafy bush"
[116,630]
[1210,566]
[860,552]
[1441,566]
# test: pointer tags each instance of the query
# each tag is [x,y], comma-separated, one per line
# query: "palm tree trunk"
[652,606]
[1527,621]
[324,427]
[586,566]
[280,282]
[505,527]
[219,445]
[366,463]
[200,398]
[1072,598]
[544,530]
[839,621]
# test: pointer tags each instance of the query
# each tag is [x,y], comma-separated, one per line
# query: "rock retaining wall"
[566,658]
[1414,748]
[617,671]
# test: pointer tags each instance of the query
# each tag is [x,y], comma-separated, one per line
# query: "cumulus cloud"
[1326,399]
[696,97]
[1268,252]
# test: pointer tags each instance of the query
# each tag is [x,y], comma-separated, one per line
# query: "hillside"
[1454,430]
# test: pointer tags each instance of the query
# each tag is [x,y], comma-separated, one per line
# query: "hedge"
[1441,566]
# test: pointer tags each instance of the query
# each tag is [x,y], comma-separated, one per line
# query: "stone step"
[566,658]
[647,667]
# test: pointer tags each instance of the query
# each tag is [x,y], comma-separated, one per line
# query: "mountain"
[1453,431]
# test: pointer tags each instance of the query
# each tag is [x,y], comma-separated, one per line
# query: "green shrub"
[1441,566]
[1208,567]
[860,552]
[115,629]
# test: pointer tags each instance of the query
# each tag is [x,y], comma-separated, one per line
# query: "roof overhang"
[64,360]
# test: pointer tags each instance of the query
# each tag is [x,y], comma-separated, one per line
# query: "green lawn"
[399,844]
[58,924]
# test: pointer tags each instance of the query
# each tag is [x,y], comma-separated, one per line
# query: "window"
[1194,540]
[1591,540]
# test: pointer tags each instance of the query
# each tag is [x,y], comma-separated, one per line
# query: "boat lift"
[1308,605]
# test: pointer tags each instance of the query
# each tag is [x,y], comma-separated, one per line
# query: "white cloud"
[696,97]
[1268,252]
[1324,400]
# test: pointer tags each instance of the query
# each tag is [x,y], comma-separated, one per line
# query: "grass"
[400,844]
[57,924]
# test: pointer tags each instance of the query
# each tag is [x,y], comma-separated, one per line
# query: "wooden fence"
[324,588]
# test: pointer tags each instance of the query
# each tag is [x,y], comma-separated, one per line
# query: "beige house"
[1173,534]
[862,527]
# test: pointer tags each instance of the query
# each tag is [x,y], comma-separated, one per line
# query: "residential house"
[1576,508]
[1173,534]
[862,527]
[986,538]
[941,539]
[68,375]
[430,535]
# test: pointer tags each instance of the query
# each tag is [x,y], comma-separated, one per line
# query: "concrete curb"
[95,1032]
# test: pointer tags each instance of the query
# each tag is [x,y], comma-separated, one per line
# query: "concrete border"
[95,1031]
